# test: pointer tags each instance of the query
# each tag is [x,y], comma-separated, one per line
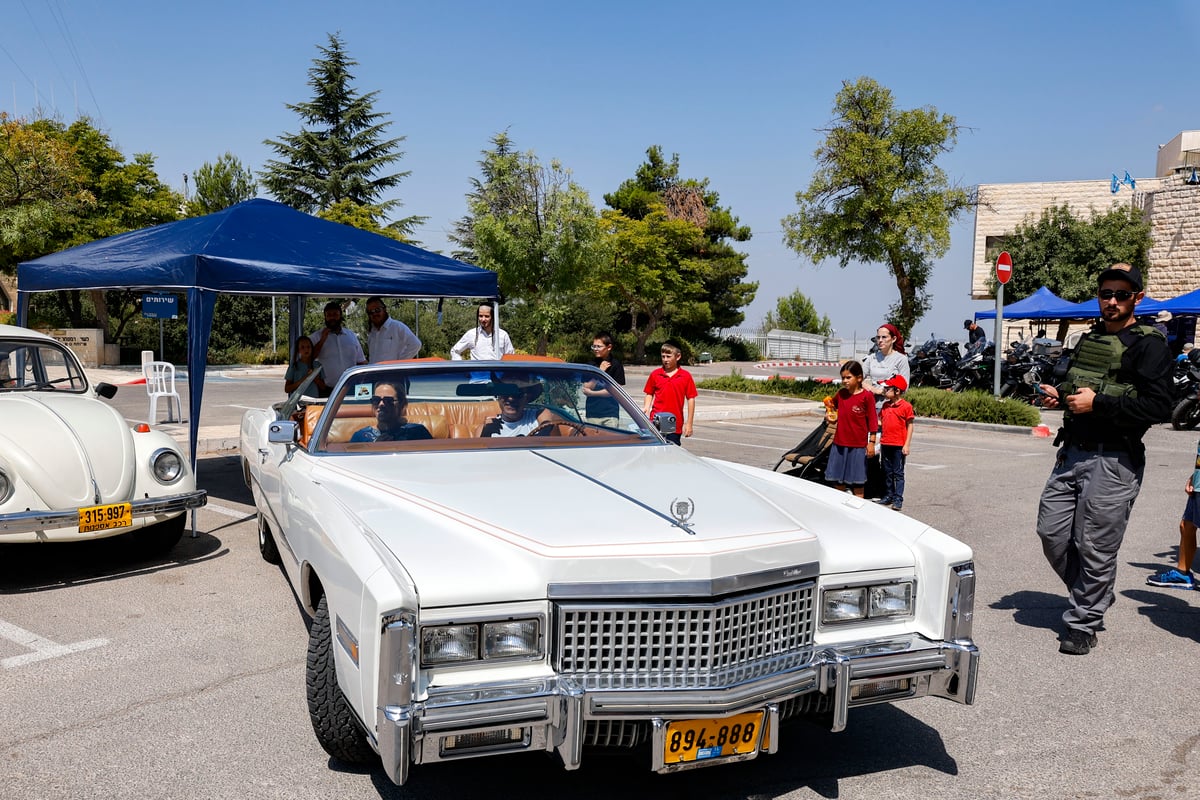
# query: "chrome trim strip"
[608,487]
[31,521]
[960,608]
[683,590]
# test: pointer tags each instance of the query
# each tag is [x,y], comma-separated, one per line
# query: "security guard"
[1115,384]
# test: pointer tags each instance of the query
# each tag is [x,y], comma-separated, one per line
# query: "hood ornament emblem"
[682,511]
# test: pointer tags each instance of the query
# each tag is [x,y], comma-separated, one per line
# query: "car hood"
[72,450]
[479,527]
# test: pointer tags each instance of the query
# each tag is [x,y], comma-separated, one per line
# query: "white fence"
[793,345]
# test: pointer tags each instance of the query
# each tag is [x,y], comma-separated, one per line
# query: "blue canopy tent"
[1042,304]
[1183,304]
[255,247]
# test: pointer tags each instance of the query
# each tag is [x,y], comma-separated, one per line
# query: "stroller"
[811,456]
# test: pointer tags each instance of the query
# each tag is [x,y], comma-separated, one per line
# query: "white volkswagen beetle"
[71,468]
[494,566]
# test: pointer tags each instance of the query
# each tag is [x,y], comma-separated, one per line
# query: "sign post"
[1003,274]
[160,307]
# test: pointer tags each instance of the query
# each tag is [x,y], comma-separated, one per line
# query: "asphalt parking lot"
[184,677]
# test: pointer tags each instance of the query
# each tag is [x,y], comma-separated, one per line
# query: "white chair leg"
[153,408]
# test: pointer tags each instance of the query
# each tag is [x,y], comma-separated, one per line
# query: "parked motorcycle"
[1186,415]
[932,363]
[976,370]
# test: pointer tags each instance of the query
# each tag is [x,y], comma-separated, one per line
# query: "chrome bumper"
[555,709]
[31,521]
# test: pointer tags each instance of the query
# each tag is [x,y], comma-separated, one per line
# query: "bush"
[971,406]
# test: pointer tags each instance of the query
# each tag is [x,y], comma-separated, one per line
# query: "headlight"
[840,605]
[446,644]
[488,641]
[166,465]
[6,486]
[516,639]
[893,600]
[856,603]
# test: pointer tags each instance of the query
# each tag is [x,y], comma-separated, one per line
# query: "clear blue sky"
[1047,91]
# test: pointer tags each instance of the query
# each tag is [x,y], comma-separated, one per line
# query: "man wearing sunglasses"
[389,402]
[1116,384]
[388,339]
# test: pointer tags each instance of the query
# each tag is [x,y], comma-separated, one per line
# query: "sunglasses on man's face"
[1121,295]
[378,401]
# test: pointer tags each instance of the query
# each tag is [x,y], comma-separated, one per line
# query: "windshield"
[507,405]
[38,366]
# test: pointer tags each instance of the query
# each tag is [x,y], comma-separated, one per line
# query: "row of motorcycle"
[944,364]
[1027,364]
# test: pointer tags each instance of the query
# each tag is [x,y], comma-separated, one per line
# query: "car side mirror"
[283,431]
[106,390]
[665,422]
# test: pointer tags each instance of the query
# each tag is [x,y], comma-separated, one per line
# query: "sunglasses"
[374,311]
[598,346]
[378,401]
[1121,295]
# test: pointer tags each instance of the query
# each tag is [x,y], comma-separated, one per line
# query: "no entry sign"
[1004,267]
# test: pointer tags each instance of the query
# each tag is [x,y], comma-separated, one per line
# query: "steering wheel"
[577,428]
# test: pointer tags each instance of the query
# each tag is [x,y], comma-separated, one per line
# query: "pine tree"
[340,151]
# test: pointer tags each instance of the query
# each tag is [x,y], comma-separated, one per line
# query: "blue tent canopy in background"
[1042,304]
[255,247]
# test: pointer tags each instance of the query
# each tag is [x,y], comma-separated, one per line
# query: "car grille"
[688,645]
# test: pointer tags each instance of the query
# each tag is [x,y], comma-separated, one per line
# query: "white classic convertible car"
[507,556]
[71,468]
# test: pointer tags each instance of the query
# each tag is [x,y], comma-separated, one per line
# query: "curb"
[770,364]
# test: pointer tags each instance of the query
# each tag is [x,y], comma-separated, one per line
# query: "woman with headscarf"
[889,359]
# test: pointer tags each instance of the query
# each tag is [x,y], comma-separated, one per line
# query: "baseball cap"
[966,323]
[897,382]
[1122,272]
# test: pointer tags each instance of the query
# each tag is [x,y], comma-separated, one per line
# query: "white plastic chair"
[160,382]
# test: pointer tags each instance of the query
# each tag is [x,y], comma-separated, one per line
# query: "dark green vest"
[1096,364]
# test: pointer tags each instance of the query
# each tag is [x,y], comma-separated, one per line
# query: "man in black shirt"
[1117,384]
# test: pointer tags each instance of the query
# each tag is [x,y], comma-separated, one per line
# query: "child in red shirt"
[897,423]
[856,421]
[668,388]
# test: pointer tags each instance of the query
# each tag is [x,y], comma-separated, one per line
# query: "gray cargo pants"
[1081,522]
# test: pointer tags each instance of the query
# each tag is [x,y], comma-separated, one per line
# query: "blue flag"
[1116,185]
[1130,182]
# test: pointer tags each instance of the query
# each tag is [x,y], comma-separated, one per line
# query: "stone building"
[1170,201]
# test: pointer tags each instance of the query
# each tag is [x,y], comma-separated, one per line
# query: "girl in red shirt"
[854,441]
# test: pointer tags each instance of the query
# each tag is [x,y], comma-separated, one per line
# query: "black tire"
[1007,388]
[266,542]
[160,539]
[1186,415]
[337,728]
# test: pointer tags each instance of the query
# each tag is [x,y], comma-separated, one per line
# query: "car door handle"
[263,453]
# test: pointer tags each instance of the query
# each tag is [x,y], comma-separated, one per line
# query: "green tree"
[714,290]
[878,195]
[221,185]
[1065,252]
[41,182]
[535,227]
[795,312]
[109,196]
[340,155]
[648,269]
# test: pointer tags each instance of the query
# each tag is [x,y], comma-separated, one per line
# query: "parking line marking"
[41,648]
[229,512]
[739,444]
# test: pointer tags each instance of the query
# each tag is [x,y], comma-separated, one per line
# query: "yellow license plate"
[102,518]
[701,739]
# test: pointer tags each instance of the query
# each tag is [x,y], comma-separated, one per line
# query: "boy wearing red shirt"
[896,418]
[668,388]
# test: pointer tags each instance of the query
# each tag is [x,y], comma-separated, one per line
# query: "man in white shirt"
[388,339]
[482,342]
[336,346]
